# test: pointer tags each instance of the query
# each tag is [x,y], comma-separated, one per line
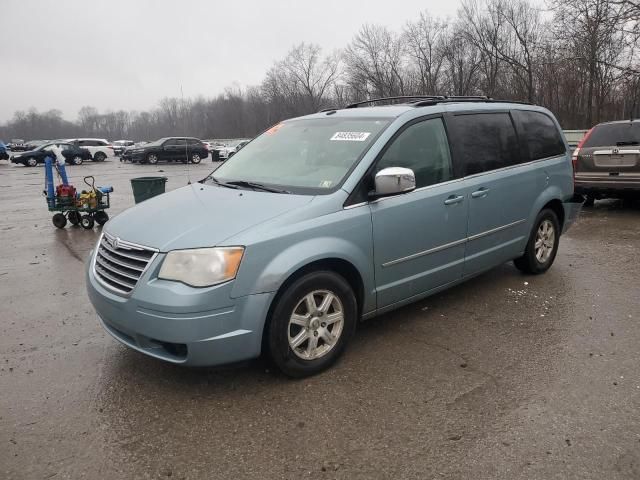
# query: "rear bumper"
[607,184]
[572,208]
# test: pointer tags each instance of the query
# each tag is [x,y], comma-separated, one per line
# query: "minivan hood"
[199,216]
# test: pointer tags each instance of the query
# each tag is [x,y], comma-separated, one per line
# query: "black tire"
[589,201]
[30,162]
[195,158]
[73,217]
[101,217]
[59,220]
[152,159]
[86,221]
[77,160]
[99,157]
[279,328]
[529,262]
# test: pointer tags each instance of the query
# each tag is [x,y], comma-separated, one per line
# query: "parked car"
[607,161]
[171,149]
[72,154]
[119,146]
[100,148]
[17,145]
[328,219]
[231,149]
[574,137]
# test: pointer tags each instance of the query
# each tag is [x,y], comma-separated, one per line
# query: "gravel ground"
[505,376]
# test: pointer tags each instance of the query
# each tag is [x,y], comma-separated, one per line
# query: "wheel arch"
[342,267]
[556,207]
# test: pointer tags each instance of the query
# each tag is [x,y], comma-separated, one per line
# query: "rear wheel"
[99,157]
[59,220]
[195,158]
[101,217]
[311,324]
[74,217]
[87,222]
[542,246]
[589,201]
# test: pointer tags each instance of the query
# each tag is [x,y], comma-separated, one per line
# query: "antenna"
[184,129]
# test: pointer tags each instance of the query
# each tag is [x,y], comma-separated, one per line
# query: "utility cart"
[85,208]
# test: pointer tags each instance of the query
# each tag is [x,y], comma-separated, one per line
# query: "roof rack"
[426,100]
[417,98]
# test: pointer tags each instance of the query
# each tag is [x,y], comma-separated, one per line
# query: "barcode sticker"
[350,136]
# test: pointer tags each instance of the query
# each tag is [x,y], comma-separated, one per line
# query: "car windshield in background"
[303,156]
[611,134]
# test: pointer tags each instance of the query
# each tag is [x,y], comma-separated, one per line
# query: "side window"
[541,135]
[423,148]
[170,143]
[486,141]
[193,141]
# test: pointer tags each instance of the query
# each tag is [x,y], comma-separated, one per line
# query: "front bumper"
[180,324]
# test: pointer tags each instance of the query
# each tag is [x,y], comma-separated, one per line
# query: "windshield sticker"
[326,184]
[350,136]
[275,128]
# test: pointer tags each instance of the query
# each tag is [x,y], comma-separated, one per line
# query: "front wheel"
[152,158]
[86,221]
[59,220]
[542,246]
[311,324]
[77,160]
[31,162]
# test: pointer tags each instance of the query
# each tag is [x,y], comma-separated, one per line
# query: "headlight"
[202,267]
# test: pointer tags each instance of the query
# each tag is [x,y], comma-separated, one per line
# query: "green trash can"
[146,187]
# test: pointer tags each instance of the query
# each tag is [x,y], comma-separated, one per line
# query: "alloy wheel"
[315,325]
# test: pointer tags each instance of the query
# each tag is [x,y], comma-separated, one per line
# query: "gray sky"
[127,54]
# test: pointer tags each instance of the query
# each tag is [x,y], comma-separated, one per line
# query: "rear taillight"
[576,152]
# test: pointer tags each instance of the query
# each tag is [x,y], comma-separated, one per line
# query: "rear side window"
[541,135]
[486,141]
[614,134]
[423,148]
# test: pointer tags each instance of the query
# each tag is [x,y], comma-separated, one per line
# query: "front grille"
[119,264]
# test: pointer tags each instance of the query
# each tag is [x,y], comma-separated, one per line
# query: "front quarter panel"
[344,234]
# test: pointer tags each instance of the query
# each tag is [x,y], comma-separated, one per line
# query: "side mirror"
[394,180]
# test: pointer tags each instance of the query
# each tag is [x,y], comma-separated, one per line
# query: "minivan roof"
[394,111]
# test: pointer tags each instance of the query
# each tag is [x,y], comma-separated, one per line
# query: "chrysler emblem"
[116,242]
[616,151]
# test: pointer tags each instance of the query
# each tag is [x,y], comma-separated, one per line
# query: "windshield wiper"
[218,182]
[256,186]
[619,144]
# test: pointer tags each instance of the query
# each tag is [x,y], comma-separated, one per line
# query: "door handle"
[454,199]
[483,192]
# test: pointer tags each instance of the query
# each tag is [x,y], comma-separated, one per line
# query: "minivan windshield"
[303,156]
[612,134]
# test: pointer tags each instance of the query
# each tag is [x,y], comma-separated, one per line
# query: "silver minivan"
[329,219]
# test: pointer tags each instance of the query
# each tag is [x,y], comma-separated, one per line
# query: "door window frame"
[362,187]
[522,153]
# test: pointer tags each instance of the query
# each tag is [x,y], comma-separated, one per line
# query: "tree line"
[579,58]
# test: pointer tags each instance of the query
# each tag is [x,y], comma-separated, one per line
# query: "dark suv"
[607,161]
[171,149]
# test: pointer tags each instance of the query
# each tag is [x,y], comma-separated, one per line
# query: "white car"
[231,148]
[100,148]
